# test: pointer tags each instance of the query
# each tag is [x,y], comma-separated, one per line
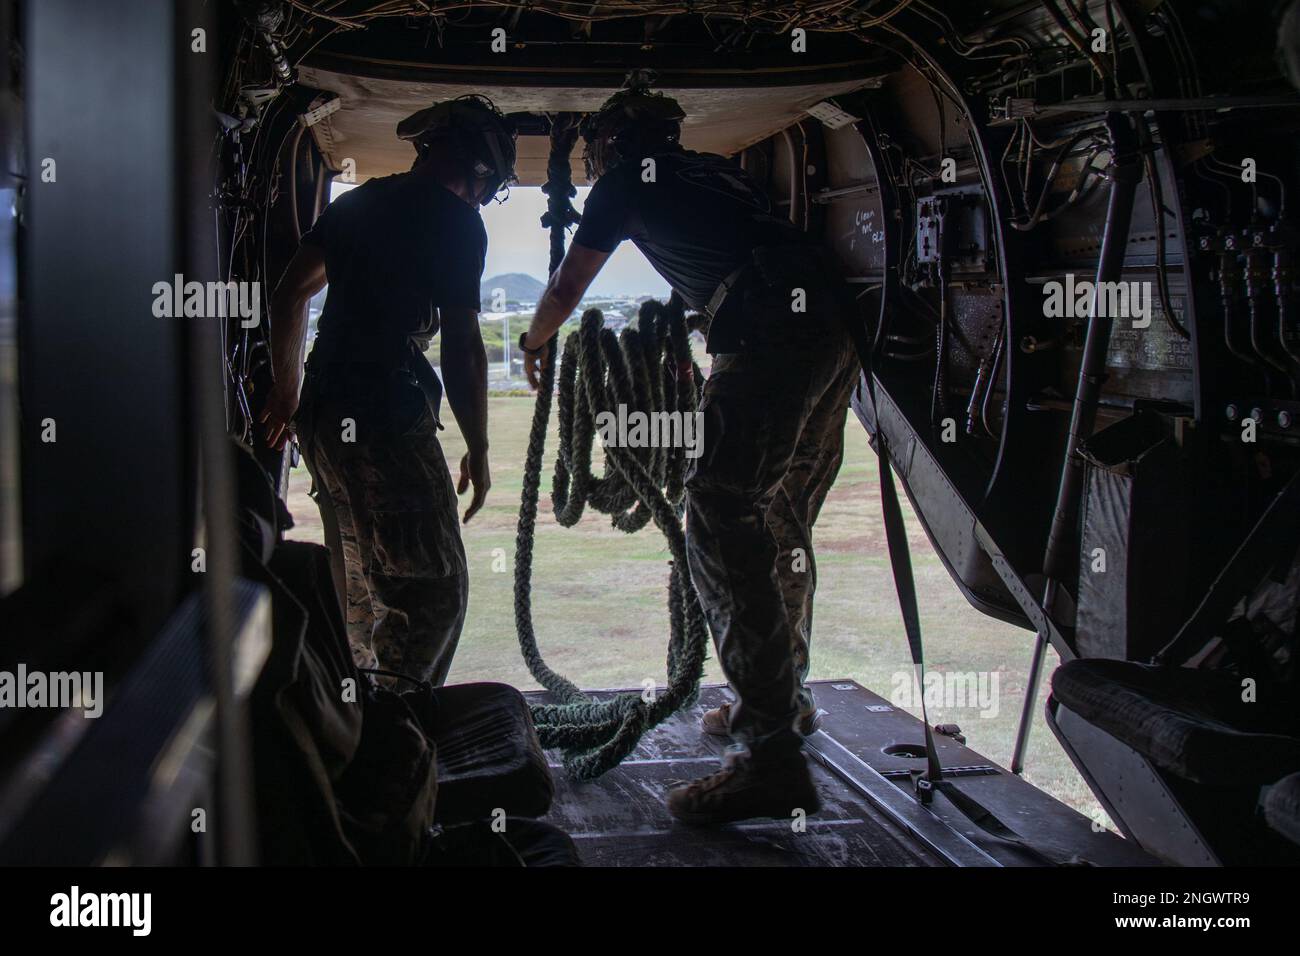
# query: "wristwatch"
[523,337]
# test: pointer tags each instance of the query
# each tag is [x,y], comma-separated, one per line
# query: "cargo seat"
[1180,760]
[488,755]
[1190,723]
[1281,806]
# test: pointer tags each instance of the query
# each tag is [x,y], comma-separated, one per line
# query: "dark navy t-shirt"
[396,249]
[696,222]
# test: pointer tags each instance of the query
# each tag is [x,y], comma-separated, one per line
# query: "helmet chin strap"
[485,192]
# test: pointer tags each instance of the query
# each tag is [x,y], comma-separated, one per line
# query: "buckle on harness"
[724,289]
[924,788]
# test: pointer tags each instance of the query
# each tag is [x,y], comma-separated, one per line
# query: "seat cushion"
[489,757]
[1191,723]
[1282,807]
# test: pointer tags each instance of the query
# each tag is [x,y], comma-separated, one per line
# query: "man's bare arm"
[304,277]
[563,293]
[464,372]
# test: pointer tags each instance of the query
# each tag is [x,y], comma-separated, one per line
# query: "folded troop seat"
[1183,753]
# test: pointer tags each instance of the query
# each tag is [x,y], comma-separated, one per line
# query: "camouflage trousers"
[389,511]
[773,442]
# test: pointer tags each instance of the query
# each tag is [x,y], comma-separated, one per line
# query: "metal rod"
[823,196]
[1127,172]
[1166,105]
[1031,689]
[1062,539]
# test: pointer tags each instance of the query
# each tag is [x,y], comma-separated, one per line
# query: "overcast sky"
[518,243]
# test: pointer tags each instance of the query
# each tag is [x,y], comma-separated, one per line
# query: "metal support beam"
[1062,541]
[122,408]
[105,444]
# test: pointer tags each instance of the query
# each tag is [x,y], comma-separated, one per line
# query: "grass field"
[599,601]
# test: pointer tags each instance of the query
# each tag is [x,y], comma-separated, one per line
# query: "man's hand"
[474,471]
[535,362]
[277,413]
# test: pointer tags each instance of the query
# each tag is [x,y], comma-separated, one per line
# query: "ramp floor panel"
[868,816]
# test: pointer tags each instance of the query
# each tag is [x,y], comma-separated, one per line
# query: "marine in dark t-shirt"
[396,250]
[695,216]
[403,257]
[772,417]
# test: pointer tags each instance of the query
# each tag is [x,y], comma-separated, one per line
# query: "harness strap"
[724,289]
[763,263]
[930,781]
[900,560]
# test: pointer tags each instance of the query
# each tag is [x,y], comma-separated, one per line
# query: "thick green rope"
[643,370]
[600,372]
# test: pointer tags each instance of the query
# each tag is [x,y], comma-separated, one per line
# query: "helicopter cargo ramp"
[862,757]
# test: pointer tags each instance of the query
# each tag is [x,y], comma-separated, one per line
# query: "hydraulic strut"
[1126,173]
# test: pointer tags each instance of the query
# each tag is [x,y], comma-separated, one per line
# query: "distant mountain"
[518,286]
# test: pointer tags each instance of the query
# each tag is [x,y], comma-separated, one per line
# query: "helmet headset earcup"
[482,139]
[632,121]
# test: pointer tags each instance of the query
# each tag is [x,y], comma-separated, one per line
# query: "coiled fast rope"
[645,369]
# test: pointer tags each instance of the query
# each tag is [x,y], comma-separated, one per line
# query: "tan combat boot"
[718,721]
[746,788]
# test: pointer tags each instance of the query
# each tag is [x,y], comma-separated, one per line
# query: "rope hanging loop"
[640,370]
